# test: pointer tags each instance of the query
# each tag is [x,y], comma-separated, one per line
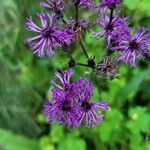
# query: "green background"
[25,82]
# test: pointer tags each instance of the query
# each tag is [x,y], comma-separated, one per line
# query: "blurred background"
[25,82]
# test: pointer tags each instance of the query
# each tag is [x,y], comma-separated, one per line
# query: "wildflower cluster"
[70,102]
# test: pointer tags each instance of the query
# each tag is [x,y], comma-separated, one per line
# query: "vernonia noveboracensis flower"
[89,115]
[134,47]
[107,68]
[63,84]
[111,30]
[70,103]
[48,37]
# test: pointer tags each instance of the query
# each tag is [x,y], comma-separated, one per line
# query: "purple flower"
[61,111]
[109,3]
[134,46]
[64,85]
[70,103]
[107,68]
[113,29]
[55,5]
[48,37]
[89,110]
[64,108]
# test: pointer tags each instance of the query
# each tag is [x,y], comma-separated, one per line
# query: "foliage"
[24,80]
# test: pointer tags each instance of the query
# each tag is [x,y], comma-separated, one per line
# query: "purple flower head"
[70,102]
[84,3]
[65,86]
[61,111]
[48,36]
[108,68]
[134,46]
[111,4]
[89,110]
[55,5]
[113,29]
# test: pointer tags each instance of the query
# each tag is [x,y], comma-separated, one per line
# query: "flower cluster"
[108,68]
[54,31]
[118,33]
[70,103]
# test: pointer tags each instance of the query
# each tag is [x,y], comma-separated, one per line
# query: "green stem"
[84,50]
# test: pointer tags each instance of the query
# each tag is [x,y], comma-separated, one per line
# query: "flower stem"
[77,12]
[92,74]
[84,49]
[110,21]
[83,65]
[76,18]
[111,16]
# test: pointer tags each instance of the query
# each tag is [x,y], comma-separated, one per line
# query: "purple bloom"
[89,110]
[134,46]
[109,3]
[64,109]
[108,68]
[65,86]
[48,36]
[70,103]
[55,5]
[61,111]
[113,29]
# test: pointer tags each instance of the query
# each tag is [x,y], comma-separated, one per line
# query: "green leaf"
[139,120]
[131,87]
[135,143]
[110,125]
[10,141]
[57,133]
[45,143]
[72,143]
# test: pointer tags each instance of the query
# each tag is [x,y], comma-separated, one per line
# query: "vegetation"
[25,80]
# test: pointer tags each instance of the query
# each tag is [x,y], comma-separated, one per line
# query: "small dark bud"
[143,64]
[76,3]
[59,14]
[91,62]
[113,7]
[65,48]
[71,63]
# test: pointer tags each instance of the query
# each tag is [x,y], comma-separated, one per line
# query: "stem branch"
[111,16]
[84,49]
